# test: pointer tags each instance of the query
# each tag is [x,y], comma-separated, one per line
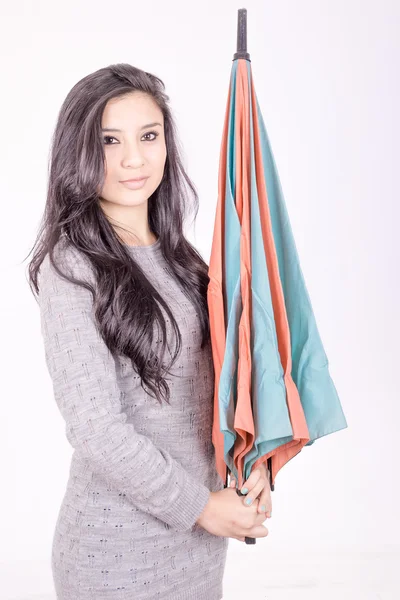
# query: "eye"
[154,133]
[108,137]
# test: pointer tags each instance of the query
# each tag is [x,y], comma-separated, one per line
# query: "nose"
[132,156]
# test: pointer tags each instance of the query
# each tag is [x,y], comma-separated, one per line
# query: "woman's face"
[134,146]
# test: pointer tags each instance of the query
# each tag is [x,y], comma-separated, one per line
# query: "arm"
[87,394]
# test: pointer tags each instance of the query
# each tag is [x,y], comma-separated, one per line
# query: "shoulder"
[69,259]
[72,263]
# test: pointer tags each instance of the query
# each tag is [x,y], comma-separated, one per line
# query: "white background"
[327,78]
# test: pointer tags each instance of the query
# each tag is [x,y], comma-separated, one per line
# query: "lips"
[136,184]
[134,179]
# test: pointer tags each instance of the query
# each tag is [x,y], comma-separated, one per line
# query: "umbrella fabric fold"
[279,421]
[216,300]
[273,393]
[307,359]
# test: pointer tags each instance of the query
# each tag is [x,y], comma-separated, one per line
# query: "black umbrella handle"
[241,49]
[271,485]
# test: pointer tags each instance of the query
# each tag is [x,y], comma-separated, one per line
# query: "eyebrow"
[144,127]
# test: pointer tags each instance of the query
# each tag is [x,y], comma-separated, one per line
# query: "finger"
[265,503]
[258,531]
[251,481]
[232,483]
[252,495]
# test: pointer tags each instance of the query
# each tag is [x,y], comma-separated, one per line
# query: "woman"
[123,306]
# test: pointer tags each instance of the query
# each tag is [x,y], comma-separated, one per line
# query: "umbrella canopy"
[273,392]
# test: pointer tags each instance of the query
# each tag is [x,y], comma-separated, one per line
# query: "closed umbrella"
[273,392]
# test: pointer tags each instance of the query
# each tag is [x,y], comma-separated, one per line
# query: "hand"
[256,484]
[225,515]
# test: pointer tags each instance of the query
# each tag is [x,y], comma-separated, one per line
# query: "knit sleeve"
[86,390]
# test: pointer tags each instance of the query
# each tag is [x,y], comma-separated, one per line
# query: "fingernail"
[248,500]
[263,508]
[244,490]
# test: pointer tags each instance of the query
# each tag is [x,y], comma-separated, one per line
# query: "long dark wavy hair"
[73,212]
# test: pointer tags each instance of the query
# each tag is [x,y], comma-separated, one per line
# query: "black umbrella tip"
[241,49]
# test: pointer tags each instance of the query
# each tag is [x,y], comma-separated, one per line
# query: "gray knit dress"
[141,472]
